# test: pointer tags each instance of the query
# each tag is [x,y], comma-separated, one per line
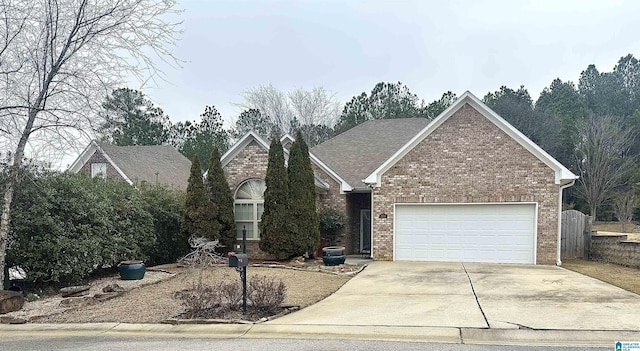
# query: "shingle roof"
[357,152]
[161,163]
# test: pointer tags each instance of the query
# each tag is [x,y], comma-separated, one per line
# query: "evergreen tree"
[302,194]
[132,119]
[275,236]
[220,195]
[199,219]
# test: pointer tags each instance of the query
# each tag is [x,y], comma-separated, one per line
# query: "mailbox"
[238,259]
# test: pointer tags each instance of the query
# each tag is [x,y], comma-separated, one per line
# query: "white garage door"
[501,233]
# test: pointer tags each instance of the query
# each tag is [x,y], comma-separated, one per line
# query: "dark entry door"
[365,231]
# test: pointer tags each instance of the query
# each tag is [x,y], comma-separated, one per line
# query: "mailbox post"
[240,262]
[244,270]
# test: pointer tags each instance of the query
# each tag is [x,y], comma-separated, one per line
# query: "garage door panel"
[465,232]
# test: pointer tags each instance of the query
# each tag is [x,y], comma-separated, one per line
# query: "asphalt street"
[104,343]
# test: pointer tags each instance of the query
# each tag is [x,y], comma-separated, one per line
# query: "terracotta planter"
[131,270]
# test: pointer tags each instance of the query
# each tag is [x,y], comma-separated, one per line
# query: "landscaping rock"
[10,301]
[76,301]
[74,291]
[106,296]
[297,262]
[112,288]
[12,320]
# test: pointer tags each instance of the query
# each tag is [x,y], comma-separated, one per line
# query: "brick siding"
[468,160]
[98,157]
[250,163]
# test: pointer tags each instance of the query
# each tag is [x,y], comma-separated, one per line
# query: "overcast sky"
[349,46]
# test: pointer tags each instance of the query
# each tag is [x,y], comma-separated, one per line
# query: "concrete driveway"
[471,295]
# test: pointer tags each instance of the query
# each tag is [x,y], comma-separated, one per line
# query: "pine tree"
[199,219]
[275,236]
[220,195]
[302,194]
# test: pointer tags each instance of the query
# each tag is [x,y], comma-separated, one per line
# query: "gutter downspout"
[559,253]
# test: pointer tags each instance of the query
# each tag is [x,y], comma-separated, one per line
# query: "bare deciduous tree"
[59,59]
[604,162]
[314,112]
[624,204]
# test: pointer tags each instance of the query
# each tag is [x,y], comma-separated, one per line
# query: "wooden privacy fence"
[576,234]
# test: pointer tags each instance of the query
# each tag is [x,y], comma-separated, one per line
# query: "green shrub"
[331,225]
[220,194]
[199,218]
[276,236]
[165,207]
[66,226]
[33,297]
[302,197]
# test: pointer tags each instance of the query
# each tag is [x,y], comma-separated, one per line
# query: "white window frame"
[99,169]
[255,222]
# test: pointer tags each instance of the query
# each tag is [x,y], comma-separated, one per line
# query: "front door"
[365,231]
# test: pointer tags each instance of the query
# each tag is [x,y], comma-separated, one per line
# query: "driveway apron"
[398,294]
[549,297]
[472,295]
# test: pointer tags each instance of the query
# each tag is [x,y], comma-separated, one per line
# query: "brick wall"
[468,160]
[251,163]
[615,249]
[98,157]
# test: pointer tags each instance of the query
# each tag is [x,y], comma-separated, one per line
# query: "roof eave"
[84,156]
[344,186]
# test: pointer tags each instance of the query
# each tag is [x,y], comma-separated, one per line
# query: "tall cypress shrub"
[275,236]
[199,219]
[220,195]
[302,195]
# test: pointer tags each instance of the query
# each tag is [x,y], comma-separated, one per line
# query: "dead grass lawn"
[156,303]
[620,276]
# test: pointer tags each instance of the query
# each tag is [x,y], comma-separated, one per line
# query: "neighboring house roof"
[160,164]
[357,152]
[562,174]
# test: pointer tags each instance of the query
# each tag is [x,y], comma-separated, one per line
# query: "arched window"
[249,205]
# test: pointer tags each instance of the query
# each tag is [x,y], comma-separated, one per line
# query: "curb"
[584,338]
[598,338]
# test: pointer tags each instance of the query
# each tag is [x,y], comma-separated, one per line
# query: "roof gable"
[562,174]
[286,141]
[235,149]
[85,156]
